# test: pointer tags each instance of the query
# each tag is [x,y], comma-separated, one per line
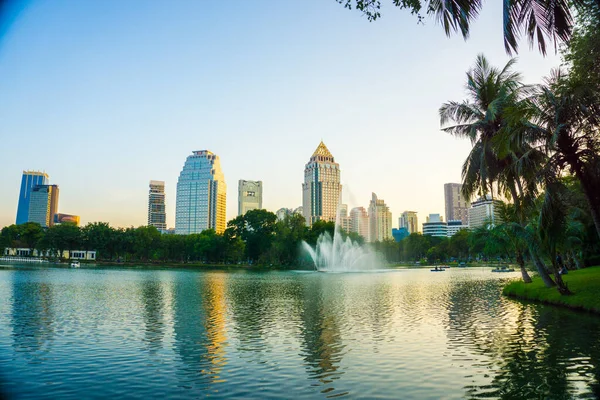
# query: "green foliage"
[540,21]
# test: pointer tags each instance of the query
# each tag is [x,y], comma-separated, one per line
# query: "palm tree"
[564,121]
[483,119]
[538,20]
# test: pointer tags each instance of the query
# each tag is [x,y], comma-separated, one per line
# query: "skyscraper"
[409,221]
[482,212]
[43,204]
[28,181]
[434,225]
[201,195]
[157,216]
[457,207]
[249,196]
[359,222]
[321,189]
[345,220]
[380,220]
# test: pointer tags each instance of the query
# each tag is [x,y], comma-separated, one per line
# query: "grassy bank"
[584,283]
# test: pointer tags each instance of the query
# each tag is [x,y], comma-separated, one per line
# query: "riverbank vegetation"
[584,283]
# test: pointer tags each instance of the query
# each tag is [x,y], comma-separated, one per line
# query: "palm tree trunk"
[521,262]
[541,268]
[561,286]
[590,189]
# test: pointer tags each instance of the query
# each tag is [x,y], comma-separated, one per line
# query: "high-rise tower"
[43,204]
[249,196]
[201,195]
[29,180]
[321,189]
[457,207]
[157,216]
[409,221]
[380,220]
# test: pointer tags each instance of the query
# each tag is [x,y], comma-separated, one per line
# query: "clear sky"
[107,95]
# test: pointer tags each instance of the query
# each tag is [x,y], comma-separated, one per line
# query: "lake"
[177,333]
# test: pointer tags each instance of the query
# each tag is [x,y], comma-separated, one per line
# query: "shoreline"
[584,283]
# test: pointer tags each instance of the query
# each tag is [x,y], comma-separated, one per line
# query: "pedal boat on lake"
[75,264]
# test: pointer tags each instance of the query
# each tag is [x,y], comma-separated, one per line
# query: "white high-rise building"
[321,189]
[409,220]
[434,225]
[482,212]
[201,195]
[457,207]
[157,215]
[359,222]
[380,220]
[249,196]
[345,220]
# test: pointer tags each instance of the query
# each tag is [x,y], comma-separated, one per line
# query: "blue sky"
[107,95]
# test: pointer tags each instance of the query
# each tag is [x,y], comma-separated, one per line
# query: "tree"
[256,228]
[540,20]
[30,234]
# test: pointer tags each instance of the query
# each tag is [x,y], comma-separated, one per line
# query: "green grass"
[584,283]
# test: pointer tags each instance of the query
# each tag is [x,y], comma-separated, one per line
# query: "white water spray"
[339,255]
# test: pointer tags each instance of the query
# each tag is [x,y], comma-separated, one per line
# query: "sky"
[105,96]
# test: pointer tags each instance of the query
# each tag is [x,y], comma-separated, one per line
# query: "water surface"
[137,333]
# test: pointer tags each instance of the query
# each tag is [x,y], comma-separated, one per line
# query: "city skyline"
[112,106]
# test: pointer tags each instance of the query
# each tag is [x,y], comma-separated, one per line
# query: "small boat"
[503,268]
[75,264]
[436,269]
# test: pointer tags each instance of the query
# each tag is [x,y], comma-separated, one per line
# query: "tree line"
[254,238]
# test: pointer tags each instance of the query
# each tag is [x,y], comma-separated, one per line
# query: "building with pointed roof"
[321,189]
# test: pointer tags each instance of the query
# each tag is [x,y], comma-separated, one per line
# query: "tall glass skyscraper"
[321,189]
[43,204]
[201,195]
[29,180]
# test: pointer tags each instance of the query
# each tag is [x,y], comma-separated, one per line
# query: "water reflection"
[33,319]
[199,329]
[190,334]
[322,347]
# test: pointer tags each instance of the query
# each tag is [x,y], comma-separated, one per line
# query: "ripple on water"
[189,334]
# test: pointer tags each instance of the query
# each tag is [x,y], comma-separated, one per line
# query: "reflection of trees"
[528,351]
[322,346]
[199,327]
[153,299]
[32,315]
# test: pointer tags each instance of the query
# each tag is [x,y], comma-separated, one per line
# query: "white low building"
[86,255]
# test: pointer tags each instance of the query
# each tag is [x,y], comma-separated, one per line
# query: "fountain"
[339,255]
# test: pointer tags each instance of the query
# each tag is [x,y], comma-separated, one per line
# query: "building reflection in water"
[32,316]
[153,301]
[199,320]
[322,346]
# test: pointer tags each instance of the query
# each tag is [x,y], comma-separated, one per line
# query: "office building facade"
[61,218]
[409,220]
[380,220]
[434,225]
[455,226]
[321,189]
[201,195]
[157,215]
[249,196]
[29,180]
[359,222]
[483,213]
[457,207]
[43,204]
